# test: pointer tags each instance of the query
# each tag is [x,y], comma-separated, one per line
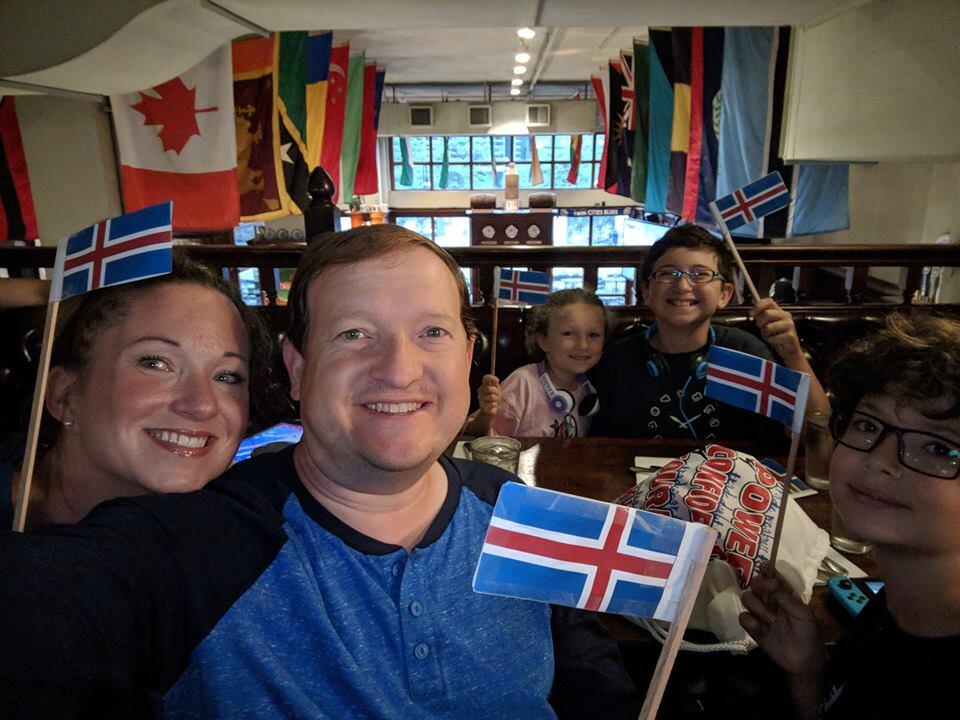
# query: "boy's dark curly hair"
[914,359]
[539,323]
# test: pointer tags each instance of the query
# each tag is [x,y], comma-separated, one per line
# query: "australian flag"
[523,286]
[758,385]
[120,250]
[556,548]
[759,198]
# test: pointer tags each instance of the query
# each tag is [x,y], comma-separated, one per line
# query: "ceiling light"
[516,82]
[514,91]
[526,33]
[522,57]
[519,69]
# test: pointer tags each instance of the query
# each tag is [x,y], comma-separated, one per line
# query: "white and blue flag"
[551,547]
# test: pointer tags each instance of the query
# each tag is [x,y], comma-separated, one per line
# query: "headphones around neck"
[657,365]
[562,401]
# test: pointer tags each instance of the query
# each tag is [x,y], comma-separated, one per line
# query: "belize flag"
[523,286]
[116,251]
[759,198]
[758,385]
[551,547]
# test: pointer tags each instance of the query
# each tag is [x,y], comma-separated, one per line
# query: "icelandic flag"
[759,198]
[120,250]
[551,547]
[758,385]
[524,286]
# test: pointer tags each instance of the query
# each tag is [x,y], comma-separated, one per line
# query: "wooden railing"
[849,265]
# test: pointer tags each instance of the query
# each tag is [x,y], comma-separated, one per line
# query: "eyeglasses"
[697,276]
[920,451]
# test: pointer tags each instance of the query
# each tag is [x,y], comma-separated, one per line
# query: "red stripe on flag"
[366,181]
[768,391]
[691,185]
[202,201]
[606,559]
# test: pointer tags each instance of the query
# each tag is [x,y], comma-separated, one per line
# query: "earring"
[68,423]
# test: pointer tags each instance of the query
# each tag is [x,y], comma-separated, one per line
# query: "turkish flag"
[178,142]
[336,104]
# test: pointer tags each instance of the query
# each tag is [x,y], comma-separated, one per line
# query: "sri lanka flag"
[116,251]
[759,198]
[758,385]
[522,286]
[551,547]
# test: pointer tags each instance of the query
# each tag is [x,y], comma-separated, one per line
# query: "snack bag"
[735,494]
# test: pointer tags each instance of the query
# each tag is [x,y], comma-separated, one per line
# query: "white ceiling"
[417,41]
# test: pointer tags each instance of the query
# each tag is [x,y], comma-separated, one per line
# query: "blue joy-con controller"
[847,594]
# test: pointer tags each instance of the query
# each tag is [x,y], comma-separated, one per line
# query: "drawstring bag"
[738,496]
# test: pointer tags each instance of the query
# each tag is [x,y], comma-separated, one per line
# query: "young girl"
[895,480]
[551,396]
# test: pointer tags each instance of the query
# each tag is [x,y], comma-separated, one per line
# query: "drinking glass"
[504,452]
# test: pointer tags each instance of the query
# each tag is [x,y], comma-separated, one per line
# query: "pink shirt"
[525,409]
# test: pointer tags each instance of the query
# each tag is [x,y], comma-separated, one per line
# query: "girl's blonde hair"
[539,323]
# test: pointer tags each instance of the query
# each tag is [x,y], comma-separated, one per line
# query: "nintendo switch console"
[853,593]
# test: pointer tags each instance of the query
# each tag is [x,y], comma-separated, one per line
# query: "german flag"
[18,221]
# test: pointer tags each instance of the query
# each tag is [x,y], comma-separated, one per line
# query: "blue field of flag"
[551,547]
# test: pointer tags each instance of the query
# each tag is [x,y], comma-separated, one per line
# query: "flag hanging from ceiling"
[536,172]
[367,181]
[641,95]
[598,90]
[521,286]
[257,151]
[18,221]
[660,53]
[352,126]
[406,165]
[706,180]
[758,385]
[681,47]
[333,120]
[619,145]
[444,178]
[754,79]
[556,548]
[576,149]
[691,178]
[177,141]
[318,69]
[291,52]
[130,247]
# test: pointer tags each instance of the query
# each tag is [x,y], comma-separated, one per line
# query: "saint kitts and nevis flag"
[555,548]
[123,249]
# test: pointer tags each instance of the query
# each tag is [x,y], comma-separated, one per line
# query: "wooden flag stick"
[36,414]
[782,512]
[736,254]
[668,653]
[493,333]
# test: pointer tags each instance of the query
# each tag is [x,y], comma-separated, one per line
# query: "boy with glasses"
[651,384]
[895,480]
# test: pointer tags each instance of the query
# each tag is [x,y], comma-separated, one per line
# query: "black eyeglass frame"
[840,423]
[677,273]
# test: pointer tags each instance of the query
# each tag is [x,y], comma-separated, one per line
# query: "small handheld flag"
[758,385]
[752,201]
[120,250]
[551,547]
[523,286]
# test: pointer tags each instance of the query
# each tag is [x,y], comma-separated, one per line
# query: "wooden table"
[600,468]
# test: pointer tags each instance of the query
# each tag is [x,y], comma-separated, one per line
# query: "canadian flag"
[178,142]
